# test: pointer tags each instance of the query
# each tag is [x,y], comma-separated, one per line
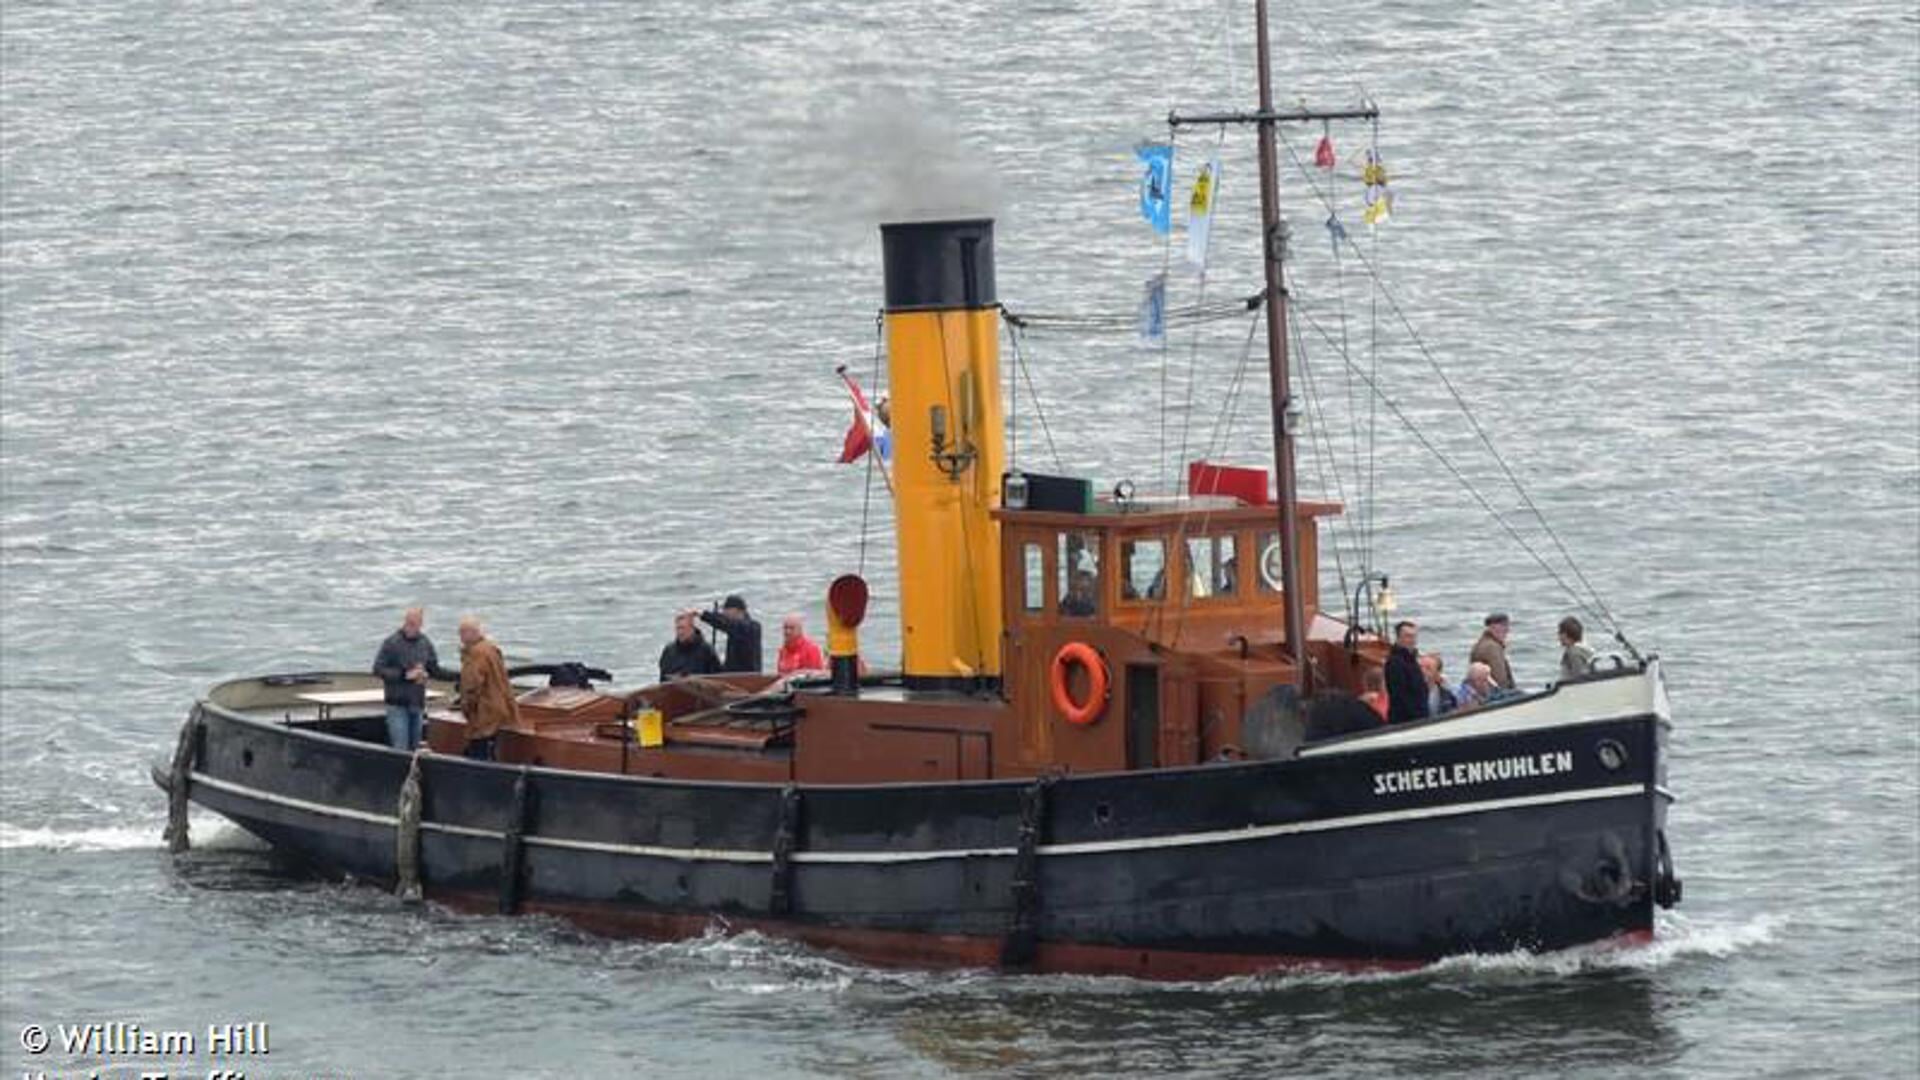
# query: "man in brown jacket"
[1491,649]
[486,697]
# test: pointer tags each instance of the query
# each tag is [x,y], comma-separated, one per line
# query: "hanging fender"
[1099,683]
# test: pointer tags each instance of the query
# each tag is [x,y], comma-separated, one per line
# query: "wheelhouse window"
[1035,559]
[1211,568]
[1079,573]
[1143,574]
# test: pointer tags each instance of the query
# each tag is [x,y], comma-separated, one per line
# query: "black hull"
[1389,857]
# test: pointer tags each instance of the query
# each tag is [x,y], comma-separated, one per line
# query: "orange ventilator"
[1099,680]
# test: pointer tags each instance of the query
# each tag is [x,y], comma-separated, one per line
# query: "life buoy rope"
[1099,683]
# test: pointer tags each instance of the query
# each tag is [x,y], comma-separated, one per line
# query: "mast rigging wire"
[1177,481]
[1447,463]
[1598,606]
[1112,322]
[1166,268]
[866,497]
[1326,460]
[1017,334]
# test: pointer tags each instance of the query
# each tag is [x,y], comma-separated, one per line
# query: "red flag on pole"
[1323,154]
[859,437]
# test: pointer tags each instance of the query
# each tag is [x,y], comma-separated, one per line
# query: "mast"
[1274,244]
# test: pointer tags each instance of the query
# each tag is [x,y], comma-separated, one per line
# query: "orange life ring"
[1098,679]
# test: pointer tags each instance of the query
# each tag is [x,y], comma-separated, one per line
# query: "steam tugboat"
[1095,756]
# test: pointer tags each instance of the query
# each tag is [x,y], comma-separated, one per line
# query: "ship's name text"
[1463,773]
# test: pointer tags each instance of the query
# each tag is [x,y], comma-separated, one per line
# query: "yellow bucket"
[650,728]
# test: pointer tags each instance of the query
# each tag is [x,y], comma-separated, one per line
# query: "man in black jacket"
[743,634]
[688,653]
[1406,685]
[404,663]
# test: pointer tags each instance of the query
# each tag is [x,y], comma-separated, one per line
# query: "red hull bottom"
[900,949]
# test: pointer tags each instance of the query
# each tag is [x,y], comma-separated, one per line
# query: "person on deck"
[1373,691]
[688,653]
[798,652]
[1406,686]
[1478,688]
[405,662]
[1440,699]
[1491,649]
[486,696]
[743,634]
[1575,658]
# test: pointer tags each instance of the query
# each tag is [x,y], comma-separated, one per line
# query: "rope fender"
[1018,948]
[785,838]
[180,780]
[513,847]
[406,835]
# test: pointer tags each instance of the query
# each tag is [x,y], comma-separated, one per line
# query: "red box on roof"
[1247,485]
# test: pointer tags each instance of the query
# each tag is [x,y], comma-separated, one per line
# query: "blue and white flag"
[1153,311]
[1206,191]
[1336,233]
[1156,186]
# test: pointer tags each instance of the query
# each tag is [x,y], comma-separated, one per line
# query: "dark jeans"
[481,749]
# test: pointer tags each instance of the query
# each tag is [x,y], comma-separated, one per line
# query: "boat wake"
[207,831]
[755,965]
[1677,939]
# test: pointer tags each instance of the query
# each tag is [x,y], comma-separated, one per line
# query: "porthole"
[1613,756]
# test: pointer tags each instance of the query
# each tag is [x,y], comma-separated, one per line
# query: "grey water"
[310,312]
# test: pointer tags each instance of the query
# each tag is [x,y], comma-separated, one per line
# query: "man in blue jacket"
[405,662]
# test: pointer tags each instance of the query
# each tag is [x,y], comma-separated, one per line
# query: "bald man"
[798,652]
[404,663]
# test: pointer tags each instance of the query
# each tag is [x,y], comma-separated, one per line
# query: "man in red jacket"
[798,652]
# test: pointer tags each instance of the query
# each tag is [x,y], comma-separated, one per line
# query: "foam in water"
[783,966]
[139,836]
[1676,938]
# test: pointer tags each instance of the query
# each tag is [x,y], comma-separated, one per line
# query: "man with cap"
[1491,649]
[743,634]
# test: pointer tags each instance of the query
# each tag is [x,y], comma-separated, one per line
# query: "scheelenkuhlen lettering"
[1463,773]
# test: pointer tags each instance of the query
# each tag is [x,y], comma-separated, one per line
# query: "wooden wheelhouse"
[1183,602]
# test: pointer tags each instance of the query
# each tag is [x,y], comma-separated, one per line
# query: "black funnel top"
[939,264]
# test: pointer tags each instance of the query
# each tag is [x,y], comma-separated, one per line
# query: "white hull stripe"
[1089,847]
[1353,821]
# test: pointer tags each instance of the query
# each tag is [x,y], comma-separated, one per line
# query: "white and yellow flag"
[1206,192]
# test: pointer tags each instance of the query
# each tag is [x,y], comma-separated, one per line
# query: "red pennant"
[1323,154]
